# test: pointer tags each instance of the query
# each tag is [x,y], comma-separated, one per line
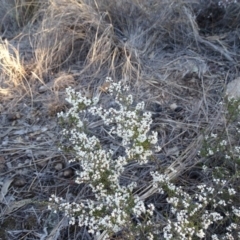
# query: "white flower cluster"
[131,126]
[226,3]
[219,195]
[114,204]
[222,146]
[189,209]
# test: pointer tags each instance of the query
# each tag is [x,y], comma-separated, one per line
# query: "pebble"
[68,173]
[19,181]
[58,166]
[173,106]
[13,116]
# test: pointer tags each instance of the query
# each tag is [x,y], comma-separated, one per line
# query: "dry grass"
[172,54]
[12,69]
[98,35]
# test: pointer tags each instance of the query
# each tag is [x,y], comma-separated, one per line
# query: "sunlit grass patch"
[12,70]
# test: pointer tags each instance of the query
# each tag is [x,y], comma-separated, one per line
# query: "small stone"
[9,165]
[233,89]
[1,108]
[174,151]
[44,129]
[13,116]
[68,173]
[29,153]
[19,181]
[58,166]
[5,143]
[39,138]
[2,160]
[41,164]
[173,106]
[43,89]
[2,164]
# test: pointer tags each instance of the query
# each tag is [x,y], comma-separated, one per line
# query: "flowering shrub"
[226,3]
[114,204]
[200,211]
[221,150]
[193,213]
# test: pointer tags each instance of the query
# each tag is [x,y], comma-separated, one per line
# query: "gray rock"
[233,89]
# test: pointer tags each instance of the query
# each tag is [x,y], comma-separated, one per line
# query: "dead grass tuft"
[114,35]
[12,70]
[25,11]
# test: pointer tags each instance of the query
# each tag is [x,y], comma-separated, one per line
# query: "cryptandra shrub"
[193,213]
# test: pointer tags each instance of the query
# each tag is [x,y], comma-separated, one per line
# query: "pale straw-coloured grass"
[12,69]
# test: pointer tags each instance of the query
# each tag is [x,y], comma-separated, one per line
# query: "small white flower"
[213,135]
[236,211]
[153,138]
[142,138]
[231,191]
[215,237]
[95,100]
[227,156]
[158,149]
[140,106]
[200,234]
[223,143]
[205,168]
[210,152]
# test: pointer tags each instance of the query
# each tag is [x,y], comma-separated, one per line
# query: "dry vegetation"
[177,56]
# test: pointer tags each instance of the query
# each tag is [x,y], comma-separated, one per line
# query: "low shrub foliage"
[207,210]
